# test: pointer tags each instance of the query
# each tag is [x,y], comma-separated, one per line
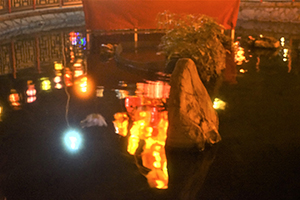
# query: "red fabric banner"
[141,14]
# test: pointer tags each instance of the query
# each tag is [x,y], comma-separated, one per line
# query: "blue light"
[73,140]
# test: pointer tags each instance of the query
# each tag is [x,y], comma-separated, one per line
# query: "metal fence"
[11,6]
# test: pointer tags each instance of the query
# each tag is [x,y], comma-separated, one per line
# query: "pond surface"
[50,82]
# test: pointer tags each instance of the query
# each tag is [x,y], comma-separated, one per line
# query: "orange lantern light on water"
[68,77]
[1,112]
[14,99]
[121,124]
[153,155]
[83,87]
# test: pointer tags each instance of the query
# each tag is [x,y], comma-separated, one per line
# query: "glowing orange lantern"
[121,123]
[68,77]
[1,112]
[14,99]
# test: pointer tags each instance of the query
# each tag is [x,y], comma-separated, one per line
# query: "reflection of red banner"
[141,14]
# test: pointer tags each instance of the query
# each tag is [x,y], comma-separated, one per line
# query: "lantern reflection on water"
[1,112]
[121,123]
[219,104]
[45,84]
[149,123]
[14,99]
[73,141]
[30,92]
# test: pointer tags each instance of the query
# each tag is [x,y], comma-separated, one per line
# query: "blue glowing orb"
[73,140]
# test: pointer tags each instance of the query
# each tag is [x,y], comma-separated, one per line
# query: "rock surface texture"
[192,118]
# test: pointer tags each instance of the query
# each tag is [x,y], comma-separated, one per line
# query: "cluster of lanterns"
[16,99]
[150,125]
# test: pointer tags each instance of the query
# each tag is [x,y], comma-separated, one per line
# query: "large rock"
[192,118]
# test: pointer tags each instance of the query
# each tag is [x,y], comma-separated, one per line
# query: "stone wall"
[269,17]
[270,11]
[38,20]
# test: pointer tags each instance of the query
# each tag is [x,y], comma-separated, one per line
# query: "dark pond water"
[50,82]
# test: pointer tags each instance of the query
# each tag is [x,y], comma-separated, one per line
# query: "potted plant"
[200,38]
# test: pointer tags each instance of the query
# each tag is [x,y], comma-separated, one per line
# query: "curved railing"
[12,6]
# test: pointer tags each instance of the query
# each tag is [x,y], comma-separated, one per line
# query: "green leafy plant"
[200,38]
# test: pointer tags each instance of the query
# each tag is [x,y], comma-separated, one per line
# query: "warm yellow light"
[58,86]
[219,104]
[45,84]
[78,72]
[99,91]
[1,112]
[133,144]
[57,79]
[77,65]
[58,66]
[243,71]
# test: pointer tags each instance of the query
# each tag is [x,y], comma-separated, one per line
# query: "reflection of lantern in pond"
[99,91]
[84,87]
[14,99]
[1,112]
[121,123]
[121,94]
[73,141]
[83,84]
[45,84]
[78,71]
[218,104]
[131,103]
[30,92]
[57,80]
[58,66]
[73,37]
[240,56]
[68,77]
[154,89]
